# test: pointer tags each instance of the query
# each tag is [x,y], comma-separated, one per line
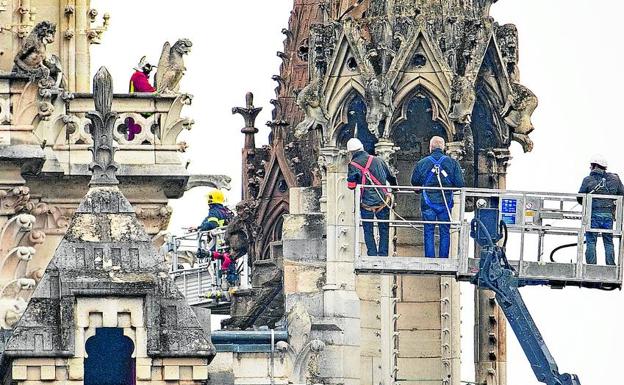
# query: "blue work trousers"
[603,223]
[384,232]
[436,214]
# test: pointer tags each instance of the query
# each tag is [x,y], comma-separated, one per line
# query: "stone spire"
[249,114]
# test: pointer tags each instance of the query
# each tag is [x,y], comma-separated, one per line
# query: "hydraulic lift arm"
[497,275]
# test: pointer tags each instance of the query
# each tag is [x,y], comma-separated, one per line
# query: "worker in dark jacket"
[139,82]
[218,214]
[601,182]
[366,169]
[437,170]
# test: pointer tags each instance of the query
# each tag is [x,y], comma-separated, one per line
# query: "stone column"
[490,322]
[81,55]
[341,306]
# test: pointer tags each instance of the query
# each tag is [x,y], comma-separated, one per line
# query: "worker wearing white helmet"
[366,169]
[601,182]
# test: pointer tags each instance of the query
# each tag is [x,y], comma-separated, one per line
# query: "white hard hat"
[354,145]
[599,160]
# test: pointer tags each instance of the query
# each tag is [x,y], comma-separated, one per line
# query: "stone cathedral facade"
[393,74]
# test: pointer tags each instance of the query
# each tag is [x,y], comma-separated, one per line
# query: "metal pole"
[358,194]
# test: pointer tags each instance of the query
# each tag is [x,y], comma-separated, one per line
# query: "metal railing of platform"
[536,224]
[201,279]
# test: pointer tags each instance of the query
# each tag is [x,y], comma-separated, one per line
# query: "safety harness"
[437,171]
[366,174]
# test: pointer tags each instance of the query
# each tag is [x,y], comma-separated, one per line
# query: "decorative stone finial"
[102,122]
[249,114]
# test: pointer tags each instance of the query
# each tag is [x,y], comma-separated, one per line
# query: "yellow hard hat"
[215,196]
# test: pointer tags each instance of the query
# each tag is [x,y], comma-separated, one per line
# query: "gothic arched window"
[355,125]
[418,123]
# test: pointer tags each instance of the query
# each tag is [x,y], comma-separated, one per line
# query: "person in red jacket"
[139,82]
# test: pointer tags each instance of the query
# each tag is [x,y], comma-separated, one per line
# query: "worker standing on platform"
[366,169]
[437,170]
[601,182]
[218,214]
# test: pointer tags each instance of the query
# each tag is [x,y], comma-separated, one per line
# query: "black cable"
[503,226]
[552,253]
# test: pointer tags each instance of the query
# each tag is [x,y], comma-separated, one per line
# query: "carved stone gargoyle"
[463,100]
[310,101]
[171,66]
[379,102]
[32,59]
[517,114]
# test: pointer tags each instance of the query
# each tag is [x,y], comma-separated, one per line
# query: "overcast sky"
[570,56]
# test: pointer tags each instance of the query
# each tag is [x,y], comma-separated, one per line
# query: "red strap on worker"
[366,172]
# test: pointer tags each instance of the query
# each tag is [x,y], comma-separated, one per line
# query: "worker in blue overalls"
[437,170]
[365,169]
[601,182]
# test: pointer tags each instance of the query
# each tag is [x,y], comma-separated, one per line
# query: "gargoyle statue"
[517,114]
[241,230]
[32,59]
[463,100]
[171,66]
[310,101]
[379,102]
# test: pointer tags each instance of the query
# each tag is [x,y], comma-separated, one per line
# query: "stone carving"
[154,219]
[303,350]
[102,121]
[379,103]
[15,200]
[32,59]
[171,66]
[463,99]
[249,114]
[242,229]
[11,311]
[310,100]
[214,181]
[517,113]
[173,125]
[507,37]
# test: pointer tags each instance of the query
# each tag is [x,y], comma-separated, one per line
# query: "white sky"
[571,55]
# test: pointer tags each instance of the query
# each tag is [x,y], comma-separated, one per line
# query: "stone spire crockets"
[102,122]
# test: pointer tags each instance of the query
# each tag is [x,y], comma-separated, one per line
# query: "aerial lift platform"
[544,242]
[198,267]
[488,224]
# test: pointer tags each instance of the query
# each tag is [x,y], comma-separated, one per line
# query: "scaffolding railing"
[537,225]
[201,278]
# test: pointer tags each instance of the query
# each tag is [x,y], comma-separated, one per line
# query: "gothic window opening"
[356,125]
[419,121]
[109,359]
[419,60]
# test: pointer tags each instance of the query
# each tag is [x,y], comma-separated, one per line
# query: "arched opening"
[355,125]
[487,128]
[419,121]
[109,359]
